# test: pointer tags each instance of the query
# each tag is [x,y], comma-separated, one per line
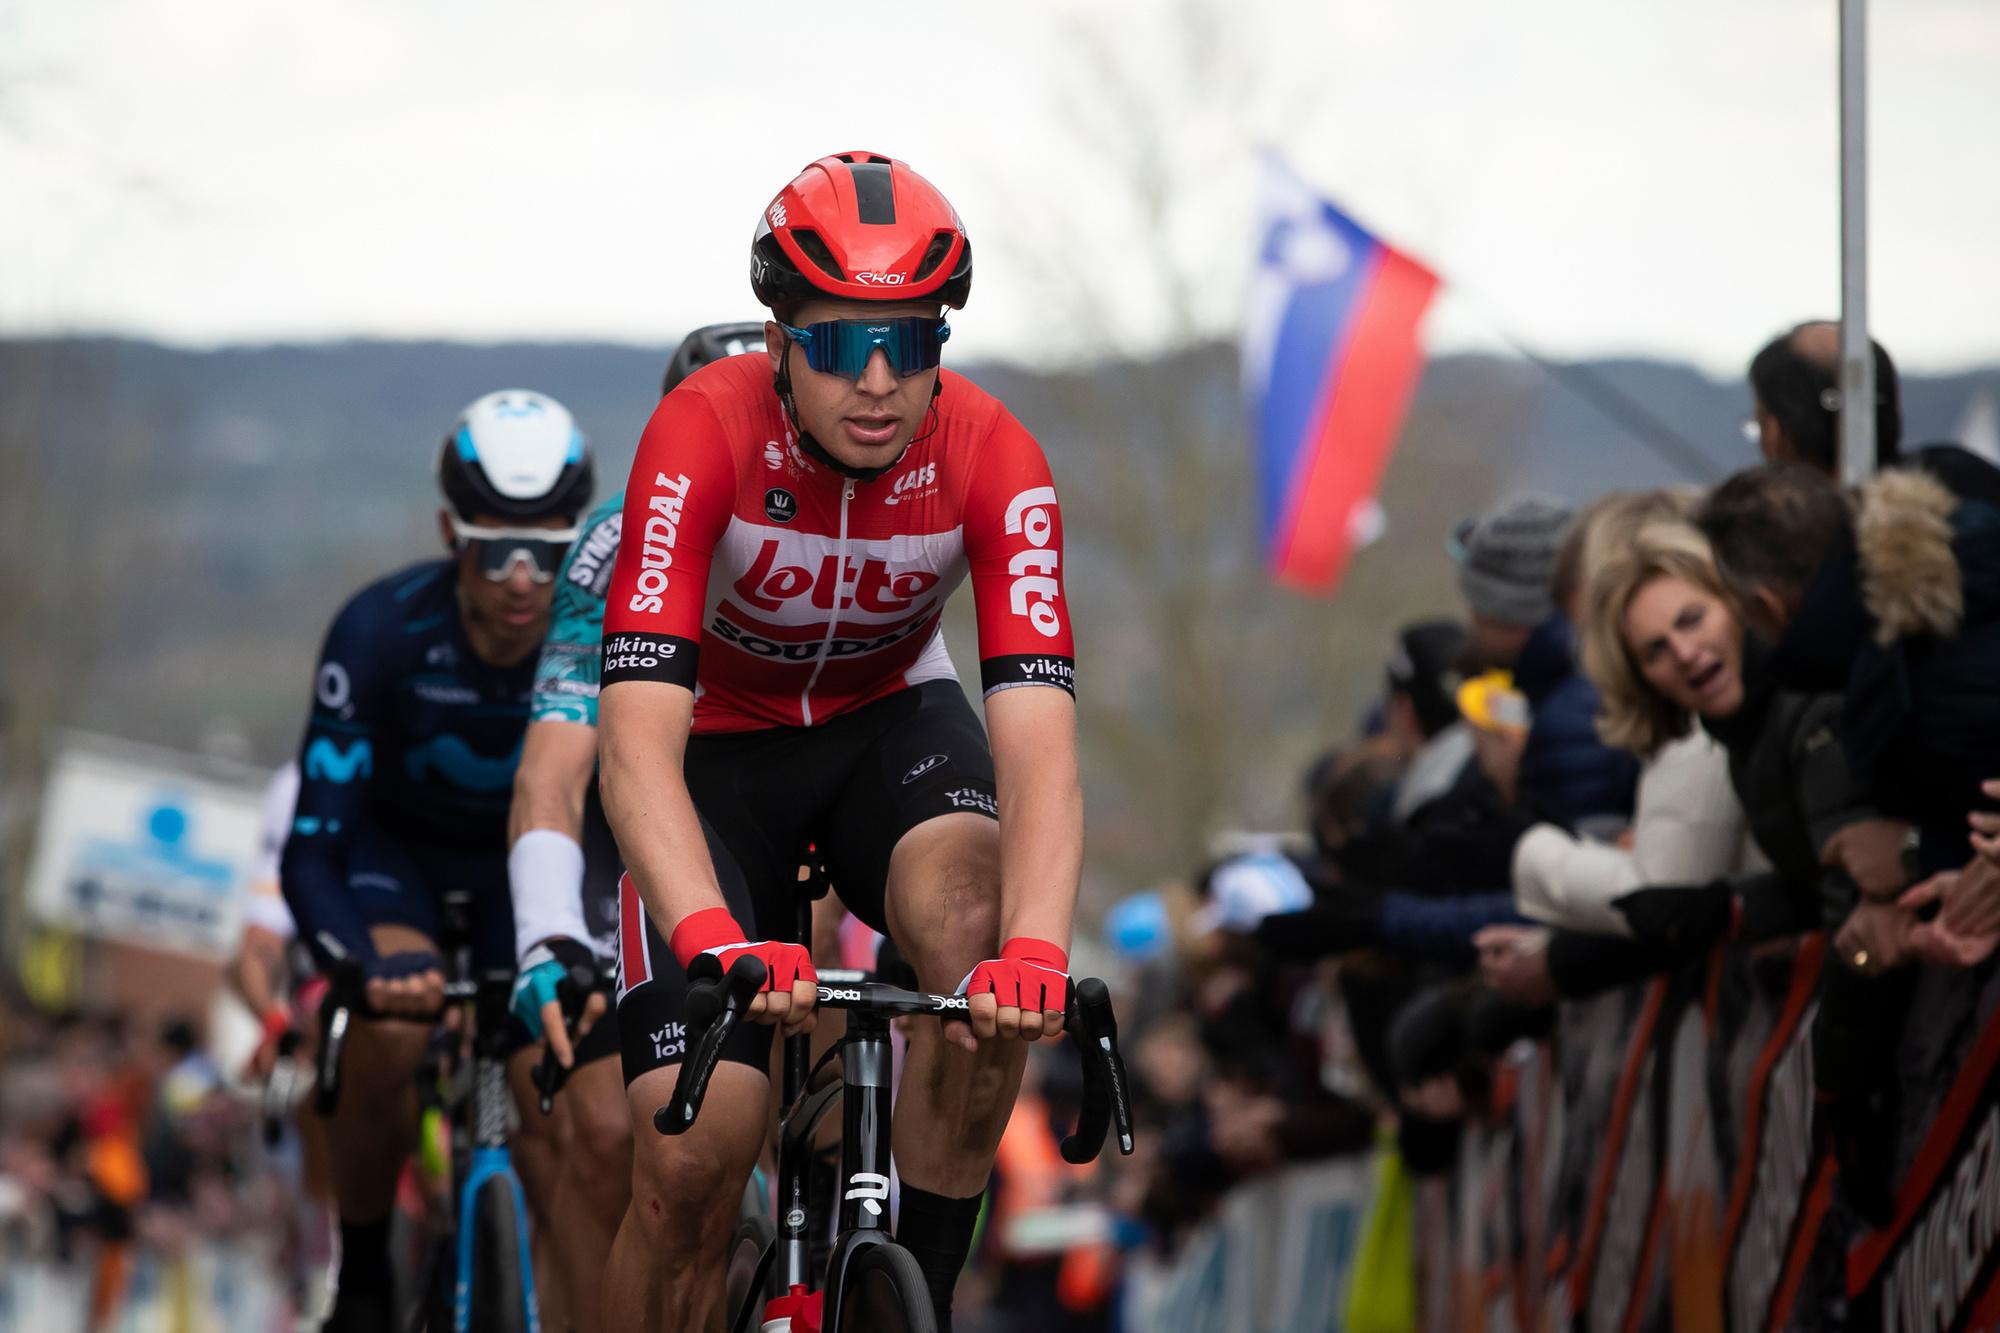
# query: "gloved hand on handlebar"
[1022,993]
[409,983]
[537,1004]
[790,981]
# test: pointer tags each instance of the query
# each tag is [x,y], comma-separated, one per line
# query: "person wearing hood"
[1890,597]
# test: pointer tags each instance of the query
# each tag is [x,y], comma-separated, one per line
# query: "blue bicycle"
[477,1274]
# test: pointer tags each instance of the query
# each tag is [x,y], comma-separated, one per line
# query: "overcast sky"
[1655,176]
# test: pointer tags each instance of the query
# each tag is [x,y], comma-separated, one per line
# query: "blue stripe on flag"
[1314,325]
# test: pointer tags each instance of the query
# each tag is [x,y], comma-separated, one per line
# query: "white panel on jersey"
[935,664]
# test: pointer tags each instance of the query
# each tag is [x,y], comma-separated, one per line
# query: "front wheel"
[883,1291]
[499,1295]
[748,1284]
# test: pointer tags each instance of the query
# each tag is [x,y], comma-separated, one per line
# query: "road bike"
[477,1274]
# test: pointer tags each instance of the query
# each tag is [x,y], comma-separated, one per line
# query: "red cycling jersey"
[784,594]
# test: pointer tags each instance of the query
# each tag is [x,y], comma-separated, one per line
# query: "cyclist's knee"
[600,1145]
[687,1186]
[382,1055]
[954,925]
[683,1189]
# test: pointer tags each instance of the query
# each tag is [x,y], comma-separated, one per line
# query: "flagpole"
[1857,360]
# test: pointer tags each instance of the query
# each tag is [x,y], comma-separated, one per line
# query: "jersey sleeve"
[1014,547]
[566,674]
[677,506]
[336,764]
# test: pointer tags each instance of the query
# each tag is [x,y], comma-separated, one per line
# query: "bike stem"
[867,1069]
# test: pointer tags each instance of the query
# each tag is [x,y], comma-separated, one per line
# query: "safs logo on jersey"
[915,482]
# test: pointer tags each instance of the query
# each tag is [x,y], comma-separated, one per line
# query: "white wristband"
[545,876]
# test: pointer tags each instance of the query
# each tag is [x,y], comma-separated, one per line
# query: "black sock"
[938,1231]
[364,1261]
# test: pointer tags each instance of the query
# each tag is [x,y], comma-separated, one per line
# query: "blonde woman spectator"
[1687,826]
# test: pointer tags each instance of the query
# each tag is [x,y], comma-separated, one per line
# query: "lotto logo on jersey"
[868,586]
[1035,589]
[657,538]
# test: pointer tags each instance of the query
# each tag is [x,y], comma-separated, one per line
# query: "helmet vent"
[940,246]
[816,251]
[874,193]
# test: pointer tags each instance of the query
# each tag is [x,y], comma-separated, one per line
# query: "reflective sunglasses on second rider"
[843,346]
[496,549]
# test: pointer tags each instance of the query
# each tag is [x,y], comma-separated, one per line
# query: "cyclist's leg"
[596,1180]
[374,1127]
[918,854]
[665,1269]
[368,1140]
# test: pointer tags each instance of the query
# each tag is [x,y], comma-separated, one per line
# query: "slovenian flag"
[1330,359]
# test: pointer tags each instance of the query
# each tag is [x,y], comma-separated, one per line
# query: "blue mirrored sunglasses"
[843,346]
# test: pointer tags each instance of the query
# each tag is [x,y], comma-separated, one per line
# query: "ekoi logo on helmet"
[882,279]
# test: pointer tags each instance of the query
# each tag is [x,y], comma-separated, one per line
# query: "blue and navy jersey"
[410,732]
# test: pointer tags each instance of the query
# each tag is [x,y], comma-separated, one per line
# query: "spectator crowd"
[1660,729]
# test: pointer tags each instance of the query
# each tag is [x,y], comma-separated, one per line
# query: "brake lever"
[714,1006]
[1106,1101]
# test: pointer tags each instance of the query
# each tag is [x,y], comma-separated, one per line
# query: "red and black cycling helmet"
[864,227]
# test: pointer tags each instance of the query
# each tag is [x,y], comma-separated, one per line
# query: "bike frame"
[479,1151]
[866,1090]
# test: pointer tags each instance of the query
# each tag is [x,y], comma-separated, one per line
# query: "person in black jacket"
[1667,647]
[1892,599]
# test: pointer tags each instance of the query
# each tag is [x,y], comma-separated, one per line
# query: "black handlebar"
[715,1004]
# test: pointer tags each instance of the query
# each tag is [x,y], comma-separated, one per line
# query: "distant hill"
[179,526]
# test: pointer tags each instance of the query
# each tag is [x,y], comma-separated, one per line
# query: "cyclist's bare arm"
[258,969]
[1033,733]
[554,774]
[558,758]
[645,728]
[1033,730]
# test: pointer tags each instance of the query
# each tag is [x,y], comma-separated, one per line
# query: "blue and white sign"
[145,848]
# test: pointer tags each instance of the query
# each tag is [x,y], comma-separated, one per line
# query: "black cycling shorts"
[852,788]
[396,880]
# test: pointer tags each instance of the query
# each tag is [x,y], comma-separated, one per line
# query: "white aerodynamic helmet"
[515,454]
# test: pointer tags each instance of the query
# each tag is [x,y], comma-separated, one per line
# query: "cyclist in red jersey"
[775,675]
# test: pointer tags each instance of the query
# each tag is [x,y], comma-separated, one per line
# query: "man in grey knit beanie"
[1506,566]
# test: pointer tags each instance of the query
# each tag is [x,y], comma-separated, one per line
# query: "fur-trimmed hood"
[1910,579]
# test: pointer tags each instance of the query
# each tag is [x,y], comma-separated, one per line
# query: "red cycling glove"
[714,930]
[1028,974]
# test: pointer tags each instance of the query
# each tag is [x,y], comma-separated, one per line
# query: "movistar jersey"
[784,594]
[410,733]
[566,677]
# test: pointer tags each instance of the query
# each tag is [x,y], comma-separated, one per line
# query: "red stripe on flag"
[1370,383]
